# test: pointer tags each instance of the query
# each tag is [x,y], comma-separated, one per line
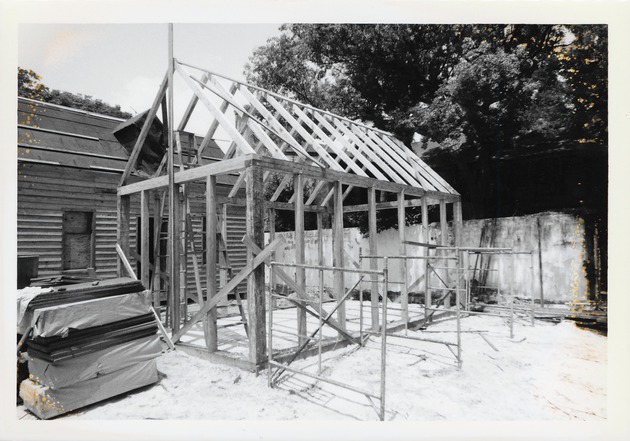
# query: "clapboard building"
[69,166]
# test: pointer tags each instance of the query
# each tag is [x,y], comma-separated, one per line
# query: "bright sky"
[125,63]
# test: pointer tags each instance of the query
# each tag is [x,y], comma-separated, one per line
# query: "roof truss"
[262,123]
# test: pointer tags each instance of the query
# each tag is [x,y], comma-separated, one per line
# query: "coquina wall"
[557,241]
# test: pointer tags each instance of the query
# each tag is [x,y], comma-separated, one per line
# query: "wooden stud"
[173,199]
[123,213]
[256,280]
[337,235]
[210,321]
[373,243]
[402,250]
[144,239]
[223,273]
[427,277]
[300,273]
[272,237]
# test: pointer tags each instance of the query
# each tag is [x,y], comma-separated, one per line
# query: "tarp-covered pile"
[88,342]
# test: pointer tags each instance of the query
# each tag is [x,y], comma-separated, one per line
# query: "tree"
[30,86]
[481,91]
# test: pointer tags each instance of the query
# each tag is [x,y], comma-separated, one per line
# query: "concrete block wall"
[562,251]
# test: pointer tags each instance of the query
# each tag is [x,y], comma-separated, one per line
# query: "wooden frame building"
[268,135]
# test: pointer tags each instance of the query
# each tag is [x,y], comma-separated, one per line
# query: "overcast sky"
[125,63]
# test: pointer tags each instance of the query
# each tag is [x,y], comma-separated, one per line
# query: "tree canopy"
[31,86]
[474,93]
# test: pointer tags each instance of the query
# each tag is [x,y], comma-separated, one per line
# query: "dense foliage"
[30,86]
[474,93]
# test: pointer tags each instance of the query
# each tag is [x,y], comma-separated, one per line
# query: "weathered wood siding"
[69,160]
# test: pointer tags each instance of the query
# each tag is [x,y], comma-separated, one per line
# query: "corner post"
[255,214]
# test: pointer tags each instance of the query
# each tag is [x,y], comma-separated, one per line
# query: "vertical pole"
[255,215]
[402,249]
[512,292]
[457,234]
[384,337]
[458,262]
[426,251]
[300,273]
[123,214]
[173,197]
[531,268]
[467,279]
[183,250]
[458,223]
[210,321]
[269,336]
[444,242]
[145,274]
[272,237]
[373,244]
[320,261]
[338,251]
[223,272]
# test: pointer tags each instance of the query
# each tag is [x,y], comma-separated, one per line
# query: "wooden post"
[173,199]
[123,207]
[255,214]
[458,224]
[373,252]
[223,273]
[444,242]
[338,250]
[320,261]
[402,249]
[300,273]
[272,237]
[144,239]
[425,239]
[210,321]
[457,234]
[158,208]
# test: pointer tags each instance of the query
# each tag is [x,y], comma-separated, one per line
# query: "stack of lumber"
[87,342]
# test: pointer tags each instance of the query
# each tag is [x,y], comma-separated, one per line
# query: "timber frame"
[268,135]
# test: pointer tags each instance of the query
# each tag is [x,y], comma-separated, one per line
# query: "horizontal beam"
[334,175]
[217,168]
[383,205]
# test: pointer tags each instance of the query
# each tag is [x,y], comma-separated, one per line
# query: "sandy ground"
[546,372]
